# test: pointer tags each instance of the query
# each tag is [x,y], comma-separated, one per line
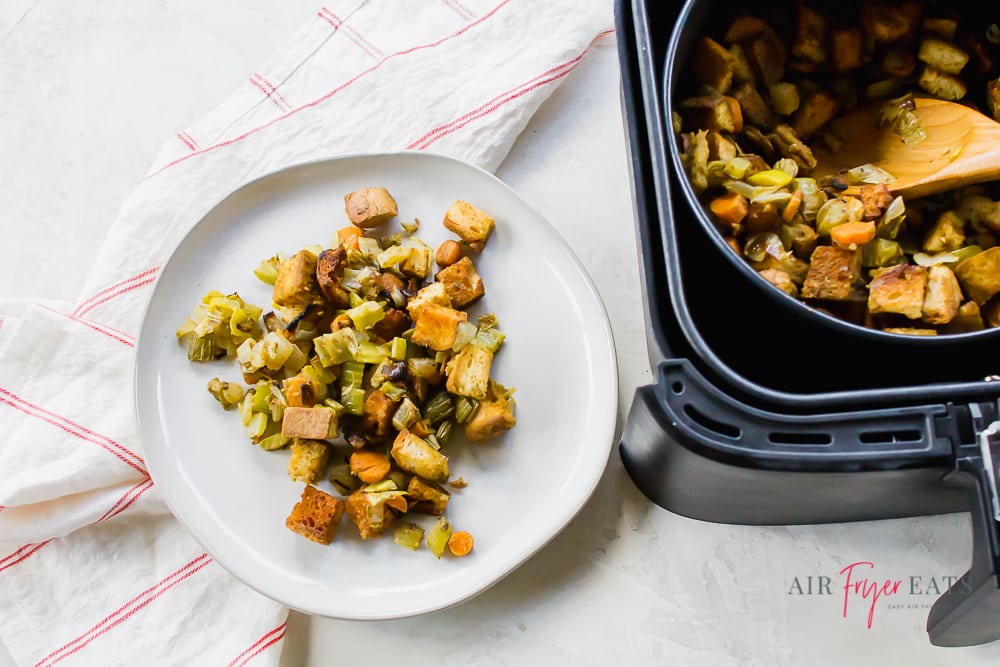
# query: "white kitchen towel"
[93,569]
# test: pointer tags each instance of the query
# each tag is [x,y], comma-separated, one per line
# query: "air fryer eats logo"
[861,589]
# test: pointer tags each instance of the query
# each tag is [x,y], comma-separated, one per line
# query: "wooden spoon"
[962,147]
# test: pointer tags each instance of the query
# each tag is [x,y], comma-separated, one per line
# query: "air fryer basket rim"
[685,28]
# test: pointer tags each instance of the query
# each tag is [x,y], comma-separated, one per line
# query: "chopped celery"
[491,339]
[319,372]
[275,350]
[393,255]
[399,478]
[770,178]
[228,394]
[262,397]
[274,441]
[406,414]
[408,535]
[762,244]
[433,441]
[881,252]
[439,408]
[218,325]
[895,213]
[438,536]
[737,167]
[337,347]
[444,429]
[366,314]
[369,246]
[353,399]
[352,374]
[831,214]
[370,353]
[422,367]
[392,390]
[246,407]
[950,258]
[356,299]
[257,425]
[203,348]
[465,409]
[397,350]
[267,271]
[334,405]
[342,479]
[788,165]
[463,336]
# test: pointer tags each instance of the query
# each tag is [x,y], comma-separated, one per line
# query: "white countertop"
[91,91]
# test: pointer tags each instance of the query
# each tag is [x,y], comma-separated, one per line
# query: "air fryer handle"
[968,613]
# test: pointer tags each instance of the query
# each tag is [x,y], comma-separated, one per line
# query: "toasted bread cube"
[296,281]
[942,55]
[788,143]
[980,212]
[899,289]
[437,326]
[834,274]
[884,22]
[744,28]
[780,279]
[711,112]
[911,331]
[316,515]
[369,513]
[470,223]
[991,312]
[301,392]
[943,85]
[943,297]
[742,70]
[713,64]
[766,54]
[817,109]
[427,497]
[469,372]
[846,48]
[752,107]
[969,318]
[414,455]
[720,148]
[979,275]
[308,461]
[940,26]
[370,207]
[993,98]
[419,263]
[317,423]
[378,412]
[947,233]
[810,36]
[493,418]
[435,293]
[461,282]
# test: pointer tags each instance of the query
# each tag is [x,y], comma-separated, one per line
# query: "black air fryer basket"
[748,422]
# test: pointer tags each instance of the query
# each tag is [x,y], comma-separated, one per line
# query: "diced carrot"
[853,233]
[460,543]
[397,503]
[730,208]
[348,237]
[792,207]
[369,467]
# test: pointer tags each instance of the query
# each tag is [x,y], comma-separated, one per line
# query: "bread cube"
[378,412]
[370,207]
[834,274]
[427,497]
[942,55]
[308,461]
[369,513]
[316,515]
[993,98]
[846,47]
[947,233]
[318,423]
[969,318]
[810,36]
[461,282]
[711,112]
[437,326]
[817,109]
[435,293]
[295,284]
[979,275]
[943,85]
[899,289]
[414,455]
[493,418]
[469,372]
[470,223]
[780,279]
[713,64]
[943,296]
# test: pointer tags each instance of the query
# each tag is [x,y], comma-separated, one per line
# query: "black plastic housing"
[734,429]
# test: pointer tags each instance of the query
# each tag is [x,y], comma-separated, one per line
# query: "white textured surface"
[91,90]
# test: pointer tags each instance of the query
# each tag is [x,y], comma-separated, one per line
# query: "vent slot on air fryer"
[719,427]
[801,439]
[889,437]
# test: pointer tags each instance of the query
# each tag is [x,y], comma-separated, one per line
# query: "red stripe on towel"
[124,612]
[459,9]
[119,336]
[85,305]
[350,33]
[269,639]
[320,100]
[267,93]
[116,449]
[24,553]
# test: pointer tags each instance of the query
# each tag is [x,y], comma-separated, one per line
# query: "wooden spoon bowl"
[962,148]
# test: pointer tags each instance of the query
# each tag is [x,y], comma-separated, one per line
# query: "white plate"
[523,487]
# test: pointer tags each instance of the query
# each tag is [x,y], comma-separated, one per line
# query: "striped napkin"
[93,569]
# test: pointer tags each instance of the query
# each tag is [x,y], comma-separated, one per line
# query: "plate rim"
[564,520]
